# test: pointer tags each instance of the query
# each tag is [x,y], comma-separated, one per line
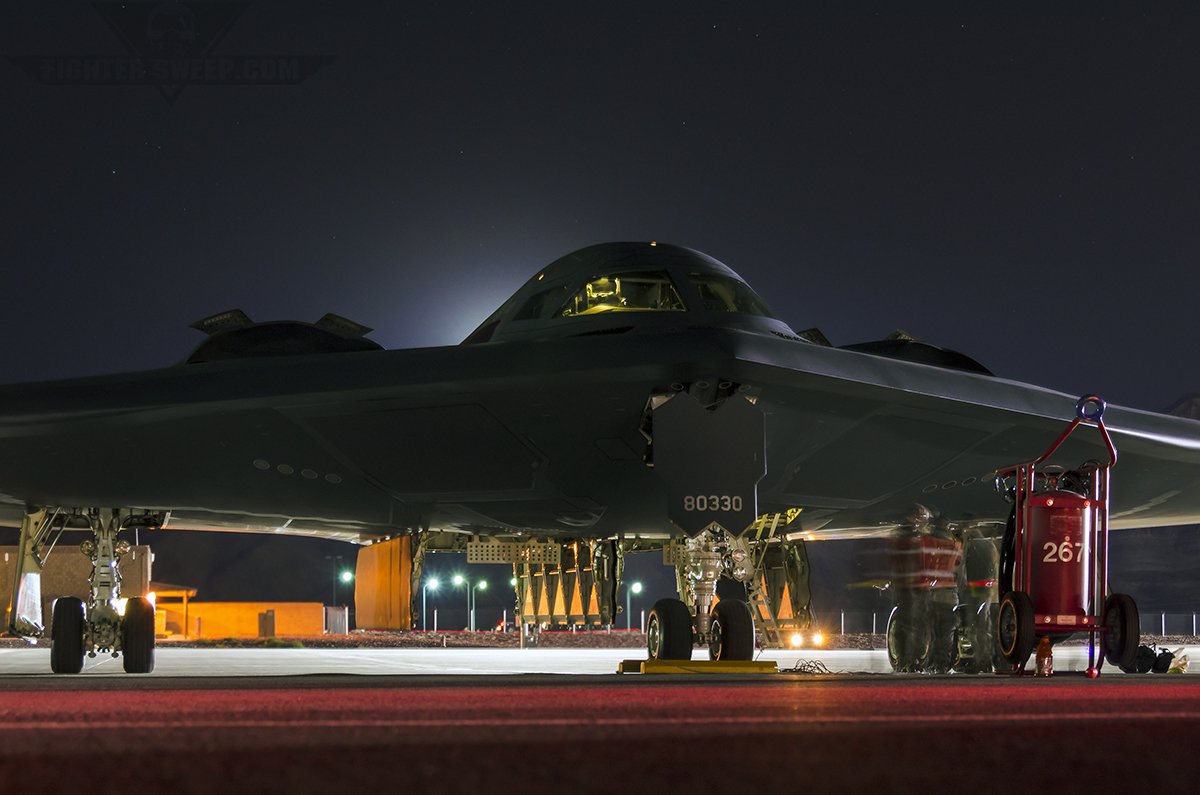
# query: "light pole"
[517,605]
[429,585]
[482,584]
[460,581]
[335,562]
[634,587]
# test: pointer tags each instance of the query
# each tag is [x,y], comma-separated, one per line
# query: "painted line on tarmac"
[440,723]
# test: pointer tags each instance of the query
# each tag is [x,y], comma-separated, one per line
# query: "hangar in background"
[176,613]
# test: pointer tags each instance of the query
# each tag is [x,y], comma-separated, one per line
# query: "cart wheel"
[1014,627]
[1122,630]
[998,663]
[1008,552]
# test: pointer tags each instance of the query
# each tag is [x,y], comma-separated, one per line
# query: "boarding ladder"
[775,619]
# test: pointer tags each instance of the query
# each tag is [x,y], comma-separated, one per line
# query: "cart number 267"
[1066,552]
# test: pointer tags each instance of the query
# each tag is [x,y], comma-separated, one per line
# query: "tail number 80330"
[712,502]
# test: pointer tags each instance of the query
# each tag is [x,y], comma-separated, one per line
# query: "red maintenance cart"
[1054,561]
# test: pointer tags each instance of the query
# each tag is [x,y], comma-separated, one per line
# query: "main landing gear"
[725,626]
[85,628]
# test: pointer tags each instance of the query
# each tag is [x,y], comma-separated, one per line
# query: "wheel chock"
[697,667]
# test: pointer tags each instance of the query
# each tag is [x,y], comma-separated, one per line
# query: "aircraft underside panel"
[430,449]
[251,461]
[711,461]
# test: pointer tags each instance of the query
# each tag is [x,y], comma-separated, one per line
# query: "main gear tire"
[137,636]
[669,631]
[66,635]
[731,631]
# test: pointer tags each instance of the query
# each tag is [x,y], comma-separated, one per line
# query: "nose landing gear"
[726,627]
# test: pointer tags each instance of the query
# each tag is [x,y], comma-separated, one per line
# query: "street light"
[482,584]
[347,577]
[634,587]
[429,585]
[459,581]
[335,561]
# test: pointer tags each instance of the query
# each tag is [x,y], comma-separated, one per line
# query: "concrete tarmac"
[175,662]
[427,720]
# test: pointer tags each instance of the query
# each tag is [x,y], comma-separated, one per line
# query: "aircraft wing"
[549,436]
[857,440]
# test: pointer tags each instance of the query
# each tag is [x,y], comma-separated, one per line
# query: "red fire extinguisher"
[1057,562]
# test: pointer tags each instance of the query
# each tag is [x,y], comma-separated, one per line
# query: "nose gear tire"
[731,631]
[669,631]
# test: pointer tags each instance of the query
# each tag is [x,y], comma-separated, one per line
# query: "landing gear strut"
[85,627]
[726,626]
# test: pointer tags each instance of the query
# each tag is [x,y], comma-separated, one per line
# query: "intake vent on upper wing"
[233,335]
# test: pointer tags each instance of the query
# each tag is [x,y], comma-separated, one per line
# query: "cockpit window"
[642,291]
[542,305]
[725,294]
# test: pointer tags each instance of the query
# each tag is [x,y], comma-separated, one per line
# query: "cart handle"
[1089,409]
[1096,405]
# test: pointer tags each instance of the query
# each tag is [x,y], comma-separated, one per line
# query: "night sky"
[1019,184]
